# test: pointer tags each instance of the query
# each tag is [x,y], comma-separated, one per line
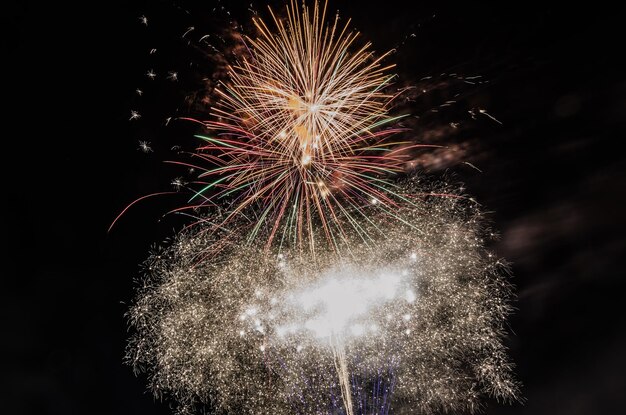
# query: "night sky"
[551,176]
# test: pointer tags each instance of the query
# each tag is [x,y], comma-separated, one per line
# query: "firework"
[409,320]
[395,307]
[300,133]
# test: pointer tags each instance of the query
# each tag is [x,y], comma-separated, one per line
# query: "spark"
[472,166]
[172,76]
[134,115]
[189,29]
[145,147]
[144,20]
[151,74]
[178,183]
[139,92]
[484,112]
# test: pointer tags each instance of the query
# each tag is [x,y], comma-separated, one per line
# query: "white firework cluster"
[406,317]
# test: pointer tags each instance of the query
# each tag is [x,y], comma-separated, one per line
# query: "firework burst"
[410,322]
[301,131]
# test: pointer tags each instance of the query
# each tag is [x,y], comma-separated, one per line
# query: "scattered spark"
[151,74]
[145,147]
[472,166]
[134,115]
[189,29]
[144,20]
[178,183]
[484,112]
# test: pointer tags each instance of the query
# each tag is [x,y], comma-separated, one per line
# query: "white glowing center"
[340,304]
[346,302]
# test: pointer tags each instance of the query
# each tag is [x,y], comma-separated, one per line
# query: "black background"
[552,174]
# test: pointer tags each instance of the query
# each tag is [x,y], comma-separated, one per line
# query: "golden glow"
[420,306]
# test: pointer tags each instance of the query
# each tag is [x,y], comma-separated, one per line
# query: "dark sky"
[552,176]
